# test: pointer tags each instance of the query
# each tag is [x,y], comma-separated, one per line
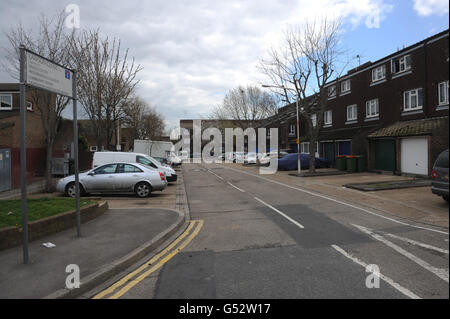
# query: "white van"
[101,158]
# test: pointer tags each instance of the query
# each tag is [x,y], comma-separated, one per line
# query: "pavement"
[130,229]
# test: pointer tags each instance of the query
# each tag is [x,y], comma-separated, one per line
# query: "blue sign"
[68,74]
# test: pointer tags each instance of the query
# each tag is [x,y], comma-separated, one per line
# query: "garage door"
[384,155]
[414,155]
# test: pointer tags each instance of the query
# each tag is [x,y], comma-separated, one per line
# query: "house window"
[304,148]
[29,106]
[332,91]
[379,73]
[268,132]
[372,109]
[93,148]
[443,93]
[328,117]
[401,64]
[292,129]
[352,114]
[412,100]
[345,86]
[6,102]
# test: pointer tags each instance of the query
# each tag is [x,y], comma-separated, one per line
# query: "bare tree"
[246,106]
[49,40]
[142,121]
[302,68]
[106,78]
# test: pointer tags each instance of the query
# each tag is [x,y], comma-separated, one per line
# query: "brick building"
[35,138]
[394,111]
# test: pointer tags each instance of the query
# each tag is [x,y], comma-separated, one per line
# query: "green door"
[328,152]
[384,155]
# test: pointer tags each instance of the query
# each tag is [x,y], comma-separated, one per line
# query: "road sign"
[47,75]
[41,73]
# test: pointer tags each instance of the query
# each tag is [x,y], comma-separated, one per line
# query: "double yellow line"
[132,279]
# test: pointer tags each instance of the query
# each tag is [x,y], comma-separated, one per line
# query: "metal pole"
[75,153]
[23,157]
[299,164]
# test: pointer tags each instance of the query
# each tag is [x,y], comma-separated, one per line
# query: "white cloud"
[431,7]
[193,52]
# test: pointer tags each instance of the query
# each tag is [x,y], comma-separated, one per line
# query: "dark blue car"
[289,162]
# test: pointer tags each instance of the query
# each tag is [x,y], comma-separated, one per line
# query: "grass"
[11,211]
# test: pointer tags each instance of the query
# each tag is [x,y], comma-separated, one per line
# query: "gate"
[5,169]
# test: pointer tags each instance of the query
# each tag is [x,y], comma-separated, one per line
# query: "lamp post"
[299,164]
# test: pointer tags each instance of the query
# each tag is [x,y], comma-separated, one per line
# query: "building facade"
[393,111]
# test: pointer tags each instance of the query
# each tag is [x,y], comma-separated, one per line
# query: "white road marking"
[337,201]
[440,272]
[215,174]
[241,190]
[281,213]
[388,280]
[417,243]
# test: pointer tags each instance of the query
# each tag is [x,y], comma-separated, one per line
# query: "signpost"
[43,74]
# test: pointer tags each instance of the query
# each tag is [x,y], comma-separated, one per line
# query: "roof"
[412,128]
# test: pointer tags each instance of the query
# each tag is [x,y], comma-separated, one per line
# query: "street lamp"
[299,164]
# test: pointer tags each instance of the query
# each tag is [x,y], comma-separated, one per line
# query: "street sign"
[47,75]
[41,73]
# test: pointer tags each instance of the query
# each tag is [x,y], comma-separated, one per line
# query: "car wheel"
[71,190]
[143,190]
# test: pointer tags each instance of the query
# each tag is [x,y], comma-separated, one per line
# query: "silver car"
[116,178]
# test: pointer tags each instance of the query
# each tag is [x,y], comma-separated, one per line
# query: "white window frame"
[29,106]
[303,146]
[11,97]
[346,86]
[93,148]
[332,91]
[354,112]
[379,73]
[314,120]
[372,104]
[443,100]
[291,129]
[328,119]
[402,62]
[410,96]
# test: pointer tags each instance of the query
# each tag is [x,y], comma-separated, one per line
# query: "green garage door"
[384,155]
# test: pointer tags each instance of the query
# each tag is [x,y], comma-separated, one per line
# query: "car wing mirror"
[91,173]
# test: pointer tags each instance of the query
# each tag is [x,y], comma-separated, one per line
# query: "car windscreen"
[145,161]
[442,160]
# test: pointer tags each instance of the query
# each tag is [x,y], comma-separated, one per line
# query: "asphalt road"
[265,239]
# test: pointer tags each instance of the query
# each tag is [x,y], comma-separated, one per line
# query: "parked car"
[265,158]
[250,158]
[439,175]
[116,178]
[162,160]
[239,157]
[101,158]
[289,162]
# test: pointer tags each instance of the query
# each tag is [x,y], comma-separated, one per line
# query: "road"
[253,237]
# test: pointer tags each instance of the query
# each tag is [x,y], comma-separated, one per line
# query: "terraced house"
[394,111]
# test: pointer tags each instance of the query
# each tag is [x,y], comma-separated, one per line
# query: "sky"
[194,52]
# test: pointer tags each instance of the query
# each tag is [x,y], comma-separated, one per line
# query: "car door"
[126,177]
[101,179]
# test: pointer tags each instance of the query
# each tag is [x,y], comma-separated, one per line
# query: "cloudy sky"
[193,52]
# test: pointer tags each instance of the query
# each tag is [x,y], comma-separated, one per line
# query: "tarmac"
[109,244]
